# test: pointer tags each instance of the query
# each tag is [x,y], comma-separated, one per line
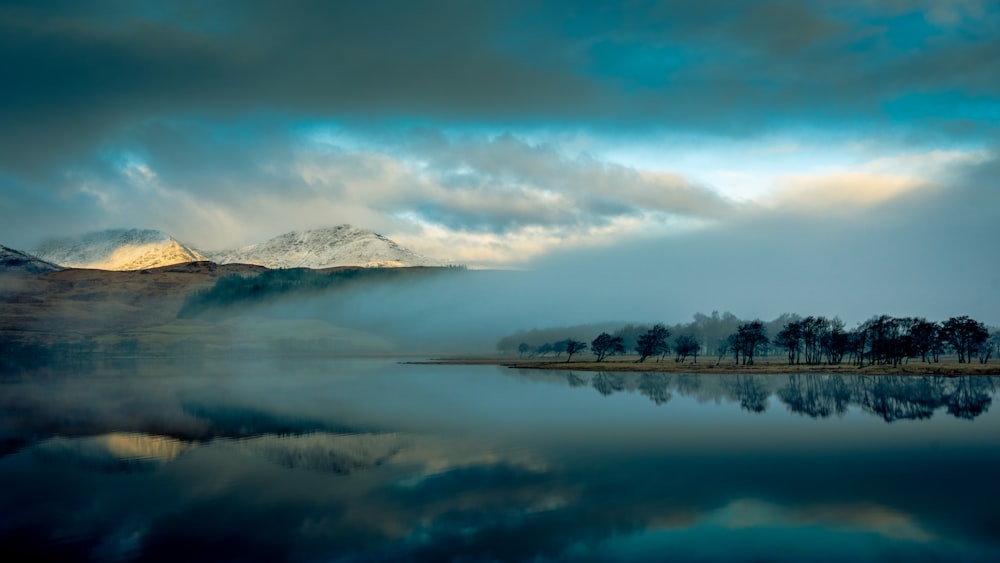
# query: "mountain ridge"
[15,261]
[118,250]
[342,245]
[141,249]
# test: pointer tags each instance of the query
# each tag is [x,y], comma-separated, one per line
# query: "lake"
[361,460]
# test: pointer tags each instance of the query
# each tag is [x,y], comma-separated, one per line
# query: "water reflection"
[656,386]
[114,452]
[338,462]
[818,396]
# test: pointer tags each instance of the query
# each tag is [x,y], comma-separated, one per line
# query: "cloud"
[85,73]
[503,199]
[842,193]
[881,520]
[497,195]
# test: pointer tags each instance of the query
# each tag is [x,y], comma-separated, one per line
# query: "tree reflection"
[687,383]
[899,397]
[751,393]
[607,383]
[970,398]
[816,396]
[656,386]
[891,398]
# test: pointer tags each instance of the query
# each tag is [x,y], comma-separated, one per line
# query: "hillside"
[75,315]
[76,304]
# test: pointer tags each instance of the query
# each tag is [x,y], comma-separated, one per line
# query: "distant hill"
[344,245]
[118,249]
[17,262]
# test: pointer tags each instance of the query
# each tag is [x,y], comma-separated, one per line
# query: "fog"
[927,255]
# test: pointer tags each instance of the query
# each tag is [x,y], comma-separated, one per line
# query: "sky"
[830,153]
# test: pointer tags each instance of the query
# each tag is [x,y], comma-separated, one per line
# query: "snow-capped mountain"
[17,262]
[118,249]
[344,245]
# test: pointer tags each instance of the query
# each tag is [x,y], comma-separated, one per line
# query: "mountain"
[118,249]
[344,245]
[17,262]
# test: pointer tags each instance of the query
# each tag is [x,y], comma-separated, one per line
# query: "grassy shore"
[946,367]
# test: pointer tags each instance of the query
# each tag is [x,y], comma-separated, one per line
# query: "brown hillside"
[79,303]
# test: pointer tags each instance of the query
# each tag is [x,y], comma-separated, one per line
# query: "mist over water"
[374,460]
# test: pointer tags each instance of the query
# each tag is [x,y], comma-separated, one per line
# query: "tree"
[606,345]
[834,342]
[723,346]
[653,342]
[790,338]
[857,341]
[992,347]
[925,337]
[812,330]
[523,348]
[966,336]
[884,339]
[544,349]
[574,346]
[687,345]
[750,337]
[630,335]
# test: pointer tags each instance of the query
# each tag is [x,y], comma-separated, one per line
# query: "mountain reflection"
[111,453]
[891,398]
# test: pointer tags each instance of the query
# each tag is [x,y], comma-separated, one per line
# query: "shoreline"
[947,368]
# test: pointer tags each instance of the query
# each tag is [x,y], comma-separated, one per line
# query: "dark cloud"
[81,77]
[82,74]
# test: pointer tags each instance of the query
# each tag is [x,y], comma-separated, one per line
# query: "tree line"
[811,340]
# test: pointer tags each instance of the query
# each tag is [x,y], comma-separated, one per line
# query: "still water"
[374,460]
